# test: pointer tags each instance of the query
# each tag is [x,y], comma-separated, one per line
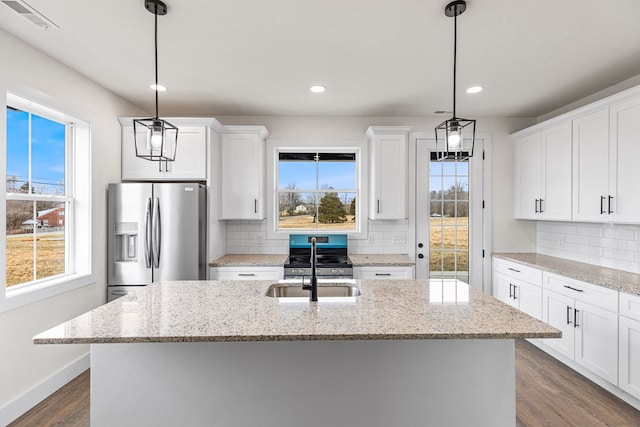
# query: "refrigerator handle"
[157,234]
[147,233]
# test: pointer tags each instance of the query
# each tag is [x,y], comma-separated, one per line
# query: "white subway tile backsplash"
[608,245]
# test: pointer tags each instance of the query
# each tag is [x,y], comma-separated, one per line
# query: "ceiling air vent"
[35,17]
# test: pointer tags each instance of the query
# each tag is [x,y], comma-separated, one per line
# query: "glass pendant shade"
[455,139]
[155,139]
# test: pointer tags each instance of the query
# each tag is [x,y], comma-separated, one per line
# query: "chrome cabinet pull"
[609,207]
[568,314]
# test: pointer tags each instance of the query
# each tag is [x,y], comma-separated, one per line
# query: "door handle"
[609,203]
[601,205]
[568,315]
[147,233]
[157,233]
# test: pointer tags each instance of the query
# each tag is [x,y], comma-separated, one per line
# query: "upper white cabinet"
[543,174]
[388,171]
[242,172]
[190,164]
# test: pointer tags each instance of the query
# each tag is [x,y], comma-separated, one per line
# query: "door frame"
[480,240]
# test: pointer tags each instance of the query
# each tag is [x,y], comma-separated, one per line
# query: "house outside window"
[317,190]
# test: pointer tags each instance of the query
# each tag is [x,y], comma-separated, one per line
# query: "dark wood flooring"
[547,394]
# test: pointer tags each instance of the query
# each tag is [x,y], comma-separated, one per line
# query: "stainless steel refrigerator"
[156,231]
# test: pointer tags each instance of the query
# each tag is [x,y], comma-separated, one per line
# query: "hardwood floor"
[547,394]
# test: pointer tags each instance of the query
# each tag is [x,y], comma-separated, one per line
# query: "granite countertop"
[249,260]
[259,260]
[197,311]
[606,277]
[381,260]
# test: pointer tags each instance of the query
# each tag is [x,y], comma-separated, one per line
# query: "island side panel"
[310,383]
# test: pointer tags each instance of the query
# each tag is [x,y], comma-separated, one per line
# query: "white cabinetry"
[388,171]
[242,172]
[519,286]
[629,376]
[247,273]
[543,174]
[190,164]
[383,272]
[587,316]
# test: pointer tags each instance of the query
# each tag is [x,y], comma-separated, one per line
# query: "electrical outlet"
[561,243]
[259,240]
[400,239]
[371,238]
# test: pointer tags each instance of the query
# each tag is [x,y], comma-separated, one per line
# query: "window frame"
[359,147]
[78,219]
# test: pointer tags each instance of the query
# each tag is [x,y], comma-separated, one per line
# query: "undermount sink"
[289,290]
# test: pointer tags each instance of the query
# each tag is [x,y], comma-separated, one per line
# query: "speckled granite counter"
[202,311]
[606,277]
[381,260]
[249,260]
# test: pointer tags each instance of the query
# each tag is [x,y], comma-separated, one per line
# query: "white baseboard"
[21,404]
[611,388]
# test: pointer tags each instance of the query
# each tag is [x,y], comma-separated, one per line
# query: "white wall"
[25,365]
[608,245]
[508,234]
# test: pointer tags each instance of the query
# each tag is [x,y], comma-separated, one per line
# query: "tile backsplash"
[608,245]
[384,237]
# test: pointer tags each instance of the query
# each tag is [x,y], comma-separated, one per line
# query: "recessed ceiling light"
[474,89]
[317,88]
[160,88]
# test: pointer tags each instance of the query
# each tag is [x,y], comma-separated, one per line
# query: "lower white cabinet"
[629,329]
[247,273]
[381,273]
[589,331]
[519,286]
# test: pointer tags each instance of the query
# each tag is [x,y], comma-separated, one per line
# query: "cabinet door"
[503,289]
[528,176]
[557,311]
[389,177]
[629,379]
[596,340]
[241,176]
[591,166]
[556,179]
[529,299]
[190,162]
[623,163]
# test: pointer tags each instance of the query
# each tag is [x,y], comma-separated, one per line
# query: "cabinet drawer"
[597,295]
[380,273]
[630,305]
[240,273]
[518,271]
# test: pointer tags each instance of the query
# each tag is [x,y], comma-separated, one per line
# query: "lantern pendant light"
[455,137]
[155,139]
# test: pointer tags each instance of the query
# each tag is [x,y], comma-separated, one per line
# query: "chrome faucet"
[313,283]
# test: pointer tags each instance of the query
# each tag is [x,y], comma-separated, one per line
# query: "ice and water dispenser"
[126,242]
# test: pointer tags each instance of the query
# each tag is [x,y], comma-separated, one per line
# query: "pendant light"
[455,137]
[155,139]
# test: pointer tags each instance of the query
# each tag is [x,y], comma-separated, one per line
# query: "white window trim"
[79,244]
[358,146]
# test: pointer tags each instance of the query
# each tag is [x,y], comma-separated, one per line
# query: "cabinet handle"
[513,269]
[568,314]
[255,205]
[510,290]
[601,205]
[609,202]
[515,296]
[573,289]
[575,317]
[378,205]
[246,274]
[537,206]
[541,211]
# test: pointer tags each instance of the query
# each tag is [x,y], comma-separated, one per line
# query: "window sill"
[19,297]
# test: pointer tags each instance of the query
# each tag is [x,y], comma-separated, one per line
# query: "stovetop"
[323,260]
[331,251]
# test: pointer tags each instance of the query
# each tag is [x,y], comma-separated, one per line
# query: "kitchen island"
[404,352]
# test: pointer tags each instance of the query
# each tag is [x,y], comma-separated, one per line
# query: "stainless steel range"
[332,259]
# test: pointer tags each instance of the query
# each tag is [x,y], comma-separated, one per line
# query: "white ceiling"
[376,57]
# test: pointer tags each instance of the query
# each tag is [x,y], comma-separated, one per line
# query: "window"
[317,191]
[47,221]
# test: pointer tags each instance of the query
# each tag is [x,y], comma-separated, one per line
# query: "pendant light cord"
[156,54]
[455,44]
